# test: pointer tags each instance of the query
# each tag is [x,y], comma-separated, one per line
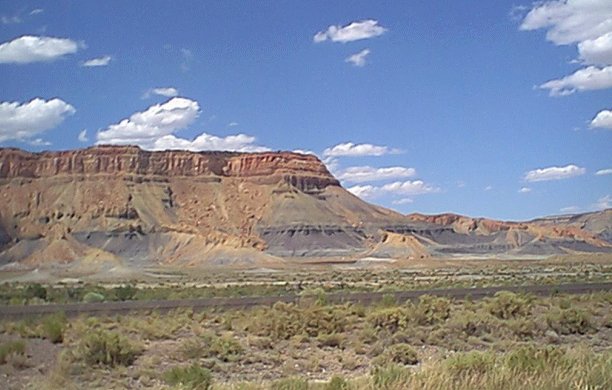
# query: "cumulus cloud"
[238,143]
[570,21]
[154,129]
[353,150]
[365,192]
[367,173]
[302,151]
[590,78]
[605,202]
[603,119]
[143,128]
[524,190]
[586,23]
[554,173]
[402,201]
[83,136]
[94,62]
[161,91]
[358,59]
[22,121]
[351,32]
[27,49]
[409,187]
[603,172]
[596,51]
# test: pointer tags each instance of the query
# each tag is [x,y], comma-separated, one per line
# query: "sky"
[499,109]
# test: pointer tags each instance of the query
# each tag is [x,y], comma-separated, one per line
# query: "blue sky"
[486,108]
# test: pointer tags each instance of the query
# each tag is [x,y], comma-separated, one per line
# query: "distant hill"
[123,205]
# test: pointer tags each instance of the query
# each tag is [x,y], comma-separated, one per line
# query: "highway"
[365,298]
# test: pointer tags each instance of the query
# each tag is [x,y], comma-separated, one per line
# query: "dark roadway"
[108,308]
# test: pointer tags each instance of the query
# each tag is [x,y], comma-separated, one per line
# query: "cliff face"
[305,171]
[123,204]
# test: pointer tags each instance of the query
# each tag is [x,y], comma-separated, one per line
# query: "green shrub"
[226,349]
[193,349]
[390,377]
[337,383]
[391,319]
[93,297]
[470,363]
[530,358]
[125,292]
[471,323]
[108,348]
[506,304]
[53,327]
[12,347]
[569,321]
[35,290]
[223,348]
[334,340]
[192,377]
[290,384]
[430,310]
[403,354]
[284,321]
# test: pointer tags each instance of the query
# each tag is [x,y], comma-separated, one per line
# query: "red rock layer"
[304,171]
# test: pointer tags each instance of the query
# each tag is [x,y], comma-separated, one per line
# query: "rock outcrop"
[121,204]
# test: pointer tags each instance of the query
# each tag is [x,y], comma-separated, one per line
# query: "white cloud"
[353,150]
[402,201]
[351,32]
[238,143]
[605,202]
[409,187]
[590,78]
[364,192]
[554,173]
[100,61]
[39,142]
[524,190]
[586,23]
[143,128]
[161,91]
[597,51]
[367,173]
[27,49]
[603,172]
[488,188]
[570,209]
[358,59]
[37,11]
[603,119]
[83,136]
[10,19]
[232,124]
[154,129]
[187,59]
[570,21]
[22,121]
[302,151]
